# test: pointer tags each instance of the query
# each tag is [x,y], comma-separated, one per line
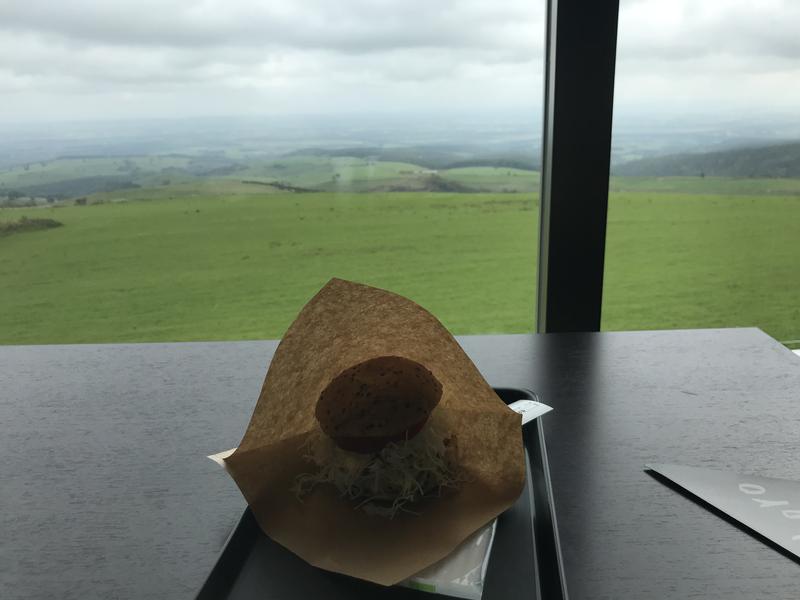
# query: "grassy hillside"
[240,266]
[723,186]
[225,260]
[40,173]
[322,171]
[677,261]
[69,178]
[495,179]
[355,174]
[782,160]
[75,177]
[524,155]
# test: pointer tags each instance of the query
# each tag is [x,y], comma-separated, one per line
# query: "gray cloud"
[355,26]
[710,56]
[277,55]
[686,31]
[87,58]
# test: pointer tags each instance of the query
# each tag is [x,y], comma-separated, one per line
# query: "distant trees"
[26,224]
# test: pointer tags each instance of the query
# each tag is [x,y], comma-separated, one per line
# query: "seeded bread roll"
[384,399]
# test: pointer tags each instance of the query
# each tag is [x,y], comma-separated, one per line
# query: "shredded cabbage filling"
[387,482]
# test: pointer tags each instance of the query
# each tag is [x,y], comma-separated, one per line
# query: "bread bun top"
[378,398]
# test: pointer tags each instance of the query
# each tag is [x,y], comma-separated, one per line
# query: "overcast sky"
[81,59]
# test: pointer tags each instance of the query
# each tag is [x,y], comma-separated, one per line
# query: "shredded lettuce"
[387,482]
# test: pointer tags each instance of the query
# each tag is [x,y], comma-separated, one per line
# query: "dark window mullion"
[580,58]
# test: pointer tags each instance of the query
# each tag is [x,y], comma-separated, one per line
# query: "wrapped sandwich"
[376,447]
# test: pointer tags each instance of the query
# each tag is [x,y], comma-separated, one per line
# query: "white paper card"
[529,409]
[462,572]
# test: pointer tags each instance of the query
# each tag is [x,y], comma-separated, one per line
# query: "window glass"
[179,170]
[704,206]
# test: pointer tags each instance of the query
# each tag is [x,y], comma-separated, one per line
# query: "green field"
[349,174]
[241,266]
[495,179]
[683,261]
[38,173]
[220,259]
[725,186]
[73,177]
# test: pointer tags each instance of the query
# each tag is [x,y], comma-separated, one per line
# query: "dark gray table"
[105,491]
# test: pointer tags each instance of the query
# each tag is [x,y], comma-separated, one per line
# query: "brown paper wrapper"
[345,324]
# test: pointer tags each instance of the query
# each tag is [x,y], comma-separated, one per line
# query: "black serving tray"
[525,562]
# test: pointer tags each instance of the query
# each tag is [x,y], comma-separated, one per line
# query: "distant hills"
[435,156]
[757,162]
[782,160]
[370,168]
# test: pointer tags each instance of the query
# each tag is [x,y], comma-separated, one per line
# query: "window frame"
[580,61]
